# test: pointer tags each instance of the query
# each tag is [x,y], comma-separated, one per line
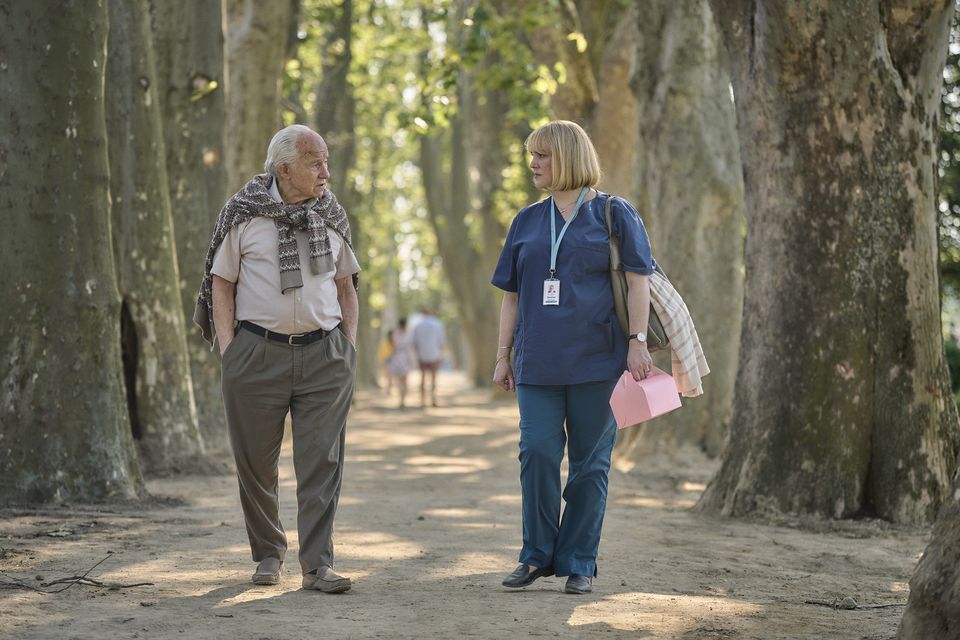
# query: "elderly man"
[280,288]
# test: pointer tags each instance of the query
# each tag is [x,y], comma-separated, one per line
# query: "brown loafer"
[268,571]
[578,585]
[326,581]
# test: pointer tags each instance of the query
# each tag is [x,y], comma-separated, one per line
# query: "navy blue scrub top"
[580,339]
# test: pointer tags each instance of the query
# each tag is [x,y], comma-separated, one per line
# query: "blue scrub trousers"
[569,545]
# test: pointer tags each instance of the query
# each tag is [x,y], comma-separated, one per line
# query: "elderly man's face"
[307,177]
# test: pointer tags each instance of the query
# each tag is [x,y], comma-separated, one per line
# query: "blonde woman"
[562,351]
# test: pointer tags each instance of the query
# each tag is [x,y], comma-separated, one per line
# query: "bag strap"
[615,262]
[614,240]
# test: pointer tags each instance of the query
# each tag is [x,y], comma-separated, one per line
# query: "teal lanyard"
[554,240]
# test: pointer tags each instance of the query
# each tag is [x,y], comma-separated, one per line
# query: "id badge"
[551,292]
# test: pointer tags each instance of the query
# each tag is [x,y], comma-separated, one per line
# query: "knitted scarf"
[312,216]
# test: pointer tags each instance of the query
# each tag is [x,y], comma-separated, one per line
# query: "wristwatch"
[639,337]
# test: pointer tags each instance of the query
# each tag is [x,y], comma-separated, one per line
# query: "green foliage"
[952,350]
[949,186]
[397,250]
[953,362]
[411,62]
[496,46]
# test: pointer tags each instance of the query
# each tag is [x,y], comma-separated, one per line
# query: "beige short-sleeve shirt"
[249,257]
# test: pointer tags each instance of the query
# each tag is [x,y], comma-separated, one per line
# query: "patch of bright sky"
[410,95]
[950,314]
[413,273]
[438,33]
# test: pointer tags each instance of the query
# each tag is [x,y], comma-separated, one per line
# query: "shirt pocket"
[604,337]
[590,260]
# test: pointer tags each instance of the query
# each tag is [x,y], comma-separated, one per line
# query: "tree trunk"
[188,42]
[156,367]
[652,142]
[335,103]
[842,403]
[256,53]
[461,166]
[64,427]
[594,93]
[691,198]
[335,120]
[466,265]
[612,119]
[933,610]
[368,335]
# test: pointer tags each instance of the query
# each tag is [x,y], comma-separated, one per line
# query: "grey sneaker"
[268,571]
[327,581]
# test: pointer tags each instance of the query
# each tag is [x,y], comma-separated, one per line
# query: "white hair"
[283,148]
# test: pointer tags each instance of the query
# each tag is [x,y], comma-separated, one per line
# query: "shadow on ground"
[428,525]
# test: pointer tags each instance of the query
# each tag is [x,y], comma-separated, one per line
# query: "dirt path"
[428,525]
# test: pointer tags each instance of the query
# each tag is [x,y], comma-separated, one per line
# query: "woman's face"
[542,169]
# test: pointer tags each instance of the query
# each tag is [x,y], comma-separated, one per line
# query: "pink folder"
[635,402]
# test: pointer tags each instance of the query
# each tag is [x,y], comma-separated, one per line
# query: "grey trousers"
[261,381]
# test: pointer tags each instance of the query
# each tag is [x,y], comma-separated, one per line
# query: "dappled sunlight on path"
[429,523]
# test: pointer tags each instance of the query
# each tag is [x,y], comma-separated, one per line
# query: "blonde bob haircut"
[573,158]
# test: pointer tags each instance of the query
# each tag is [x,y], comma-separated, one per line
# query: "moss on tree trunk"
[842,403]
[691,197]
[159,384]
[64,430]
[256,52]
[188,42]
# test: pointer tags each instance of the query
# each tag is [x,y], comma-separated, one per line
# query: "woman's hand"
[503,375]
[639,361]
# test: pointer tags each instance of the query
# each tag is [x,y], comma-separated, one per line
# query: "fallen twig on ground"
[851,604]
[16,583]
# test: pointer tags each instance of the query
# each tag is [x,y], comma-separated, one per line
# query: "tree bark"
[335,104]
[64,429]
[156,365]
[335,120]
[368,335]
[653,142]
[691,198]
[614,35]
[461,168]
[593,93]
[256,53]
[932,609]
[842,403]
[188,43]
[467,262]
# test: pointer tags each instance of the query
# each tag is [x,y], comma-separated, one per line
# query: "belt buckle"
[292,336]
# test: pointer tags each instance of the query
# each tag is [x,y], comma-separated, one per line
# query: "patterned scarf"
[312,216]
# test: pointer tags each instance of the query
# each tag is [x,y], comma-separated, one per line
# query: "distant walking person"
[558,318]
[401,362]
[429,340]
[279,289]
[384,354]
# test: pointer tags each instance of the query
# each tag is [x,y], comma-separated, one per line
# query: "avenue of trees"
[784,157]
